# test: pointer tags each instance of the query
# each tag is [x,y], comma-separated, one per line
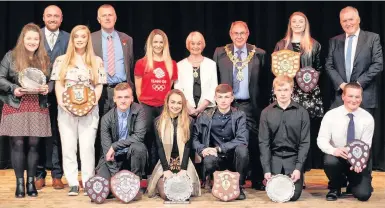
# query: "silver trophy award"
[178,189]
[32,80]
[280,188]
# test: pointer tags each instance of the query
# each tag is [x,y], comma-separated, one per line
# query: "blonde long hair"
[20,55]
[183,117]
[166,52]
[90,58]
[306,40]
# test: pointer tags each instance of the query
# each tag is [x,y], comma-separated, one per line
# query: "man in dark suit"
[122,135]
[115,48]
[355,56]
[55,42]
[239,65]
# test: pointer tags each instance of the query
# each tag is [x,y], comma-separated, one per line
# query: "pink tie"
[110,57]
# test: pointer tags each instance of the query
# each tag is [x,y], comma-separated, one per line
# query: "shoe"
[20,188]
[74,191]
[242,195]
[333,195]
[57,183]
[258,186]
[39,183]
[110,196]
[31,188]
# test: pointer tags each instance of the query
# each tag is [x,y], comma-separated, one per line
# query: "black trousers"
[50,148]
[337,168]
[252,125]
[149,140]
[315,155]
[234,160]
[134,160]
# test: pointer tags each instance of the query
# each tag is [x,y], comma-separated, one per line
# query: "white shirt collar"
[356,33]
[48,32]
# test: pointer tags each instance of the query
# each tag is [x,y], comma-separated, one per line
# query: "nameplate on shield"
[226,185]
[285,62]
[358,153]
[79,99]
[307,78]
[32,80]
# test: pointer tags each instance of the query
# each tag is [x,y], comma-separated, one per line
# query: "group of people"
[198,111]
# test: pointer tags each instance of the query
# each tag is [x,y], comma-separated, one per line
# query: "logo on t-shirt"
[159,73]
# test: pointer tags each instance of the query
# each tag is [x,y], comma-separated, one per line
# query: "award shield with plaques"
[226,185]
[178,189]
[280,188]
[125,185]
[97,188]
[79,99]
[307,78]
[32,81]
[358,153]
[285,62]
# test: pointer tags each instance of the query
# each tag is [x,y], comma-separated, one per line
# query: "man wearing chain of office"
[239,65]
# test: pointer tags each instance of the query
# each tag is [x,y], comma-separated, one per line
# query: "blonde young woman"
[154,75]
[78,66]
[197,76]
[173,130]
[298,39]
[24,115]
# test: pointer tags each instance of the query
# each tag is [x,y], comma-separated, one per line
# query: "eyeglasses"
[239,34]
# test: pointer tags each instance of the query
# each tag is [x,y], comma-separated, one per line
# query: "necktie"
[348,58]
[122,127]
[350,133]
[236,82]
[52,40]
[110,57]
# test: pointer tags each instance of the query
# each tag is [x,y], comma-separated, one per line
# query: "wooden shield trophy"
[32,80]
[125,185]
[358,153]
[97,188]
[79,99]
[285,62]
[226,185]
[307,78]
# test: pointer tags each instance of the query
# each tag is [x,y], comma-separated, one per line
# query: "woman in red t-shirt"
[154,75]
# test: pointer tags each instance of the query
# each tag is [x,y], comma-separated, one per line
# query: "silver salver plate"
[32,80]
[178,189]
[280,188]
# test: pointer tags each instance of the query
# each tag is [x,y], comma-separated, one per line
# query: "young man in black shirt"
[284,135]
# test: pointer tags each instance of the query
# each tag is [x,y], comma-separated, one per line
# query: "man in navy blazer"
[55,42]
[355,56]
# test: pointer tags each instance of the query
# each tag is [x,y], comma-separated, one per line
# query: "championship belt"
[285,62]
[125,185]
[32,80]
[226,185]
[79,99]
[280,188]
[97,188]
[178,188]
[358,153]
[307,78]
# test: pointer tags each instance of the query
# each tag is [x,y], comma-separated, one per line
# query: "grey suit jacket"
[368,63]
[128,52]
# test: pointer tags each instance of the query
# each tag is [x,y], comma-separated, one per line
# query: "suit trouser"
[134,160]
[72,129]
[252,126]
[237,159]
[361,183]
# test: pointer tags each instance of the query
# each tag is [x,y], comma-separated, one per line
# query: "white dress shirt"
[354,46]
[334,127]
[48,37]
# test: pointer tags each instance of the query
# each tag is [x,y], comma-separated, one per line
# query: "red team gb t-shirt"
[156,83]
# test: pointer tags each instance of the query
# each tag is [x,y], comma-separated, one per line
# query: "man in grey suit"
[239,65]
[55,42]
[355,56]
[115,48]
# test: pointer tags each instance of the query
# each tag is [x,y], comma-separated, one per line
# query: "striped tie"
[110,57]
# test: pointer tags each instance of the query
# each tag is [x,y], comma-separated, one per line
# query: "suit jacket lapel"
[46,45]
[230,65]
[98,45]
[124,48]
[360,43]
[341,51]
[250,64]
[115,126]
[129,123]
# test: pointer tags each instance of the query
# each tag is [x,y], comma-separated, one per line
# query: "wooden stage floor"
[312,196]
